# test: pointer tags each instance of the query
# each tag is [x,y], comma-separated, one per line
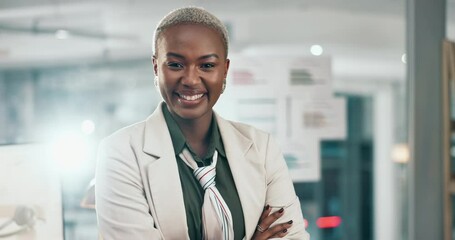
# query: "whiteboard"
[29,184]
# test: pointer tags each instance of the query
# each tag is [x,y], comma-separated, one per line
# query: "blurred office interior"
[74,71]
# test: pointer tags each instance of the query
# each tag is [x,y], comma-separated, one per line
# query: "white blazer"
[138,191]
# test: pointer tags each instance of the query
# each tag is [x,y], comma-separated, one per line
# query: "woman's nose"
[191,76]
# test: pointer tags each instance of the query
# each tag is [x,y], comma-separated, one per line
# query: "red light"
[328,222]
[305,222]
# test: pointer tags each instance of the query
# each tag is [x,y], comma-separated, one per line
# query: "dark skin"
[266,220]
[196,133]
[191,66]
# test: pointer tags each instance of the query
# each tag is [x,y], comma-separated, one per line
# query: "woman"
[185,172]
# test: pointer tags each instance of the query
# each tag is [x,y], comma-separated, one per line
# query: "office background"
[75,66]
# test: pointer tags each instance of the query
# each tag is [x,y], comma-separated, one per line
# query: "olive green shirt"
[193,194]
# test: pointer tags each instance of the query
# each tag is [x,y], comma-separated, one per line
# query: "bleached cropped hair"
[191,15]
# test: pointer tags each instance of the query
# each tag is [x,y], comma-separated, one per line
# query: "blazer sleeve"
[121,207]
[281,193]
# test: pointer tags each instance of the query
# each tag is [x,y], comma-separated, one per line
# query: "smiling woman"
[191,67]
[185,172]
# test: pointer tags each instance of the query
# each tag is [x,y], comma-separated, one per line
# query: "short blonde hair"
[191,15]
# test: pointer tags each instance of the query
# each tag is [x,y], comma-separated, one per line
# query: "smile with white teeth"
[191,97]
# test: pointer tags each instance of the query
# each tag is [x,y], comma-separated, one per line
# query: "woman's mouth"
[190,97]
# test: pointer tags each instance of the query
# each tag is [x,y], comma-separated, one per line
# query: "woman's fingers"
[280,230]
[267,221]
[265,213]
[264,231]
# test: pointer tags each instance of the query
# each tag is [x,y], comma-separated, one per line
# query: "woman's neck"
[196,132]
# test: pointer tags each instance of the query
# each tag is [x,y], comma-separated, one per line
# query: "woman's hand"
[263,229]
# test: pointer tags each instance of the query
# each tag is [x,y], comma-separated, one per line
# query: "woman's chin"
[194,113]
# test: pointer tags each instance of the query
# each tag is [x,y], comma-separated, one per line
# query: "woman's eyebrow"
[176,55]
[209,56]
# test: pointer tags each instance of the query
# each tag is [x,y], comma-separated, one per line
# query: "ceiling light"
[316,50]
[403,58]
[62,34]
[400,153]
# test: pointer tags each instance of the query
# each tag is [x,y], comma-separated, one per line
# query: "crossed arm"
[123,211]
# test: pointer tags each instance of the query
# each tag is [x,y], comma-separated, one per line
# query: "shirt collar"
[179,141]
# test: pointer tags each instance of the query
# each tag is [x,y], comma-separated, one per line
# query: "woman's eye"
[207,65]
[175,65]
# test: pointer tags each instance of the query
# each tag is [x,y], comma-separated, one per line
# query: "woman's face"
[191,66]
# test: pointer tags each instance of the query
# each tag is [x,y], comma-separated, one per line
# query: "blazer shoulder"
[249,131]
[122,147]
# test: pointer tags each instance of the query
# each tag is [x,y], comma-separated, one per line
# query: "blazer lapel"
[247,172]
[163,178]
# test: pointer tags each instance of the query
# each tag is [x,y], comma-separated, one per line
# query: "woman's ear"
[155,65]
[228,62]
